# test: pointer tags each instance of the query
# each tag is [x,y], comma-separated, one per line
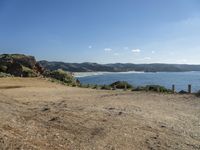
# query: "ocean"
[167,79]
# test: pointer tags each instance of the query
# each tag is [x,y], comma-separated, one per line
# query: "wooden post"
[147,88]
[115,87]
[189,88]
[158,89]
[125,87]
[173,88]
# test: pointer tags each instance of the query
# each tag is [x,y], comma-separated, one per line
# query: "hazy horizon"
[106,31]
[63,61]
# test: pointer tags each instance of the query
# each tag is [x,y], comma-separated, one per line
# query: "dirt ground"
[37,114]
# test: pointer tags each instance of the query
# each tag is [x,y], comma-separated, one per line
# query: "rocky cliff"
[20,65]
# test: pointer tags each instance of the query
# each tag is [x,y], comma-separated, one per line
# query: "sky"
[102,31]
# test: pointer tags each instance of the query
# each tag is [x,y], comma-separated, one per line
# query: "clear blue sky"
[103,31]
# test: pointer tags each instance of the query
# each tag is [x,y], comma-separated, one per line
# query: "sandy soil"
[37,114]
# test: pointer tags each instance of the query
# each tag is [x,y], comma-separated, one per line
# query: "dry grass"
[37,114]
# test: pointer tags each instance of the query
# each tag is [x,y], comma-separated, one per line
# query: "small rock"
[54,119]
[45,109]
[120,113]
[163,126]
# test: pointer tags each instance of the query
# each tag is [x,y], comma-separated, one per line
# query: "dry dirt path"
[37,114]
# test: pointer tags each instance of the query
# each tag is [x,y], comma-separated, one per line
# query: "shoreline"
[87,74]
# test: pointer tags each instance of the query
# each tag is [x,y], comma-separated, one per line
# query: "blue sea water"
[167,79]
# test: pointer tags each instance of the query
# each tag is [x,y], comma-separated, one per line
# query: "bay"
[167,79]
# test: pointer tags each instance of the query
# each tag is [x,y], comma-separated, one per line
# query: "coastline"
[87,74]
[181,80]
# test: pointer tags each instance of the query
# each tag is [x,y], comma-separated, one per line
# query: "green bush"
[96,86]
[3,68]
[121,85]
[157,88]
[27,72]
[62,76]
[106,87]
[85,85]
[7,56]
[2,74]
[139,88]
[198,94]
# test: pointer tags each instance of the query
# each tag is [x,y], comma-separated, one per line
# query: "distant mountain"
[118,67]
[75,67]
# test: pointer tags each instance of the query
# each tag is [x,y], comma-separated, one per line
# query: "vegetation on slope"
[154,88]
[2,74]
[62,76]
[121,85]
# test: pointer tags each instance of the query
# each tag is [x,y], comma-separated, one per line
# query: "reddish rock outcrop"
[20,65]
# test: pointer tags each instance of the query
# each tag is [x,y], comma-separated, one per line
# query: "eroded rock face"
[20,65]
[27,61]
[15,69]
[39,68]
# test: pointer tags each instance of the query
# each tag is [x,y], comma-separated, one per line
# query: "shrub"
[62,76]
[198,94]
[27,72]
[96,86]
[3,68]
[121,85]
[157,88]
[106,87]
[182,92]
[139,88]
[12,56]
[2,74]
